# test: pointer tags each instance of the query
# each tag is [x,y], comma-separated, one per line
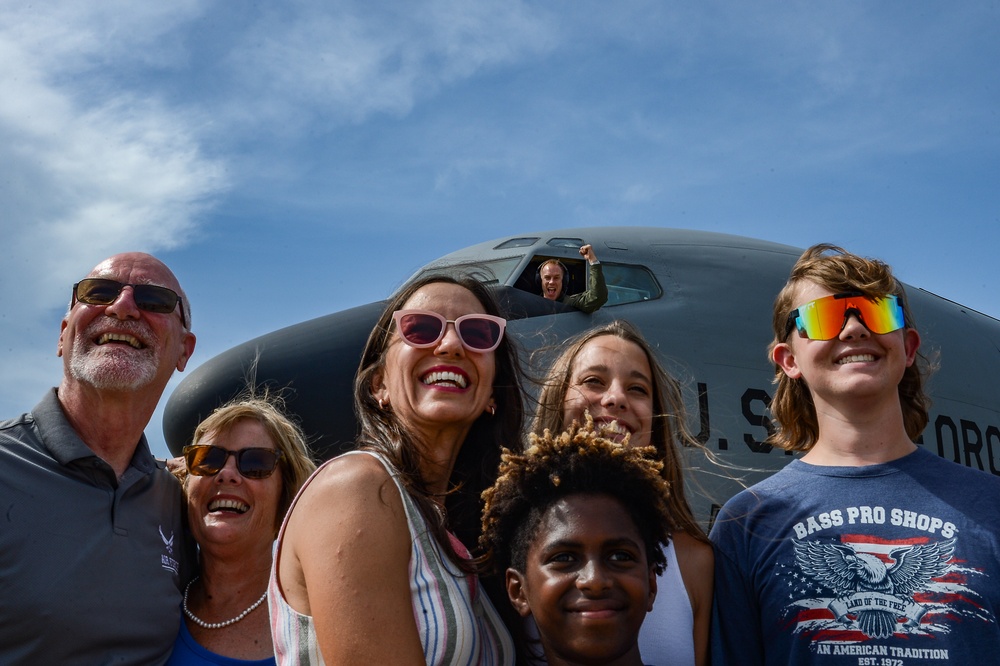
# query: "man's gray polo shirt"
[90,565]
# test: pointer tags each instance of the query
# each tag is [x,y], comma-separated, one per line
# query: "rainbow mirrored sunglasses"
[824,318]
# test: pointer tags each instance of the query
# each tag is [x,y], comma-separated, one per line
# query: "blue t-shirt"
[187,652]
[892,564]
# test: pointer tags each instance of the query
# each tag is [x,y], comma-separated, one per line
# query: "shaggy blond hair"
[838,271]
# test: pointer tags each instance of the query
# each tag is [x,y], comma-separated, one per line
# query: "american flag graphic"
[836,587]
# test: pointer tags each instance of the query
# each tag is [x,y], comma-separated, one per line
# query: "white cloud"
[640,192]
[341,62]
[76,37]
[85,173]
[88,166]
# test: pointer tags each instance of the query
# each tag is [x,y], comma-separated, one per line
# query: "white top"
[667,634]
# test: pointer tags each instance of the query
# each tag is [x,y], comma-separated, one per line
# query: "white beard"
[113,367]
[114,371]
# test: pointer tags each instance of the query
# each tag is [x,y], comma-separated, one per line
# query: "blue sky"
[292,159]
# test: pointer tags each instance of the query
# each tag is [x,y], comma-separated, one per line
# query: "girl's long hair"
[670,430]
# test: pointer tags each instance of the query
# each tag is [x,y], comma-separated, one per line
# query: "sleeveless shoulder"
[455,620]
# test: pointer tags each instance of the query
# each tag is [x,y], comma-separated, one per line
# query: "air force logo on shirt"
[167,560]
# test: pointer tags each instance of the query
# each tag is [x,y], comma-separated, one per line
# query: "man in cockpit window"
[552,275]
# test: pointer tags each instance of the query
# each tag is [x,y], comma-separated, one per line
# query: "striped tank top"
[458,625]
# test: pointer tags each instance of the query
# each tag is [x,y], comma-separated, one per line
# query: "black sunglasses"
[148,297]
[252,463]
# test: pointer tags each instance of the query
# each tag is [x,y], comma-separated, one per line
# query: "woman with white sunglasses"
[366,568]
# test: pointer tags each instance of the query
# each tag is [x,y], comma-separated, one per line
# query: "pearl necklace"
[217,625]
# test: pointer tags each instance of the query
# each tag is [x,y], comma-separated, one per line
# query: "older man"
[92,552]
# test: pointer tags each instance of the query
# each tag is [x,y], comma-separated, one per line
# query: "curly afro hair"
[577,461]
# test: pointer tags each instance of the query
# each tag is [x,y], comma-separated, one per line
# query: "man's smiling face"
[552,281]
[119,347]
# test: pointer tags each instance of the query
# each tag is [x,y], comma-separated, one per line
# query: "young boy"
[868,549]
[578,522]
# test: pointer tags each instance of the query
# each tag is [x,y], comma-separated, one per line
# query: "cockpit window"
[629,284]
[575,243]
[496,271]
[517,242]
[626,283]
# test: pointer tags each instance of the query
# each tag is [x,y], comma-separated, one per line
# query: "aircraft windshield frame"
[495,271]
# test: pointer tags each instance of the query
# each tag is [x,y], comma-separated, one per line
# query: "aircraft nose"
[308,359]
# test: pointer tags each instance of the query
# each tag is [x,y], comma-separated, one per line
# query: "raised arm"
[597,289]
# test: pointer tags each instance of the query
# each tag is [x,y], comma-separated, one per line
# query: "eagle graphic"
[848,572]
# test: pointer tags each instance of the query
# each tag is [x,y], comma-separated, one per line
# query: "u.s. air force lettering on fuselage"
[961,440]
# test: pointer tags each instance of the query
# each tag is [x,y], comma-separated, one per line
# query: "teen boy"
[579,522]
[868,549]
